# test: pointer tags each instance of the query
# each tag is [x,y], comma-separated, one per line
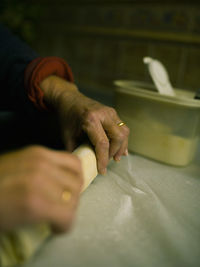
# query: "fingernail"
[118,158]
[126,152]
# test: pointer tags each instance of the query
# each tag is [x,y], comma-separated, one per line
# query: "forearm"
[55,88]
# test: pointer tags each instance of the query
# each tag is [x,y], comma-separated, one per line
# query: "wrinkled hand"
[32,181]
[79,114]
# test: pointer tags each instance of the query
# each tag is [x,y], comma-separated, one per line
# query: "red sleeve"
[40,68]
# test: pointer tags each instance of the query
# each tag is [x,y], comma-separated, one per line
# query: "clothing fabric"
[21,72]
[15,55]
[39,69]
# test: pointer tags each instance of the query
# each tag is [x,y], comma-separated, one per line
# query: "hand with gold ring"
[120,123]
[81,116]
[39,185]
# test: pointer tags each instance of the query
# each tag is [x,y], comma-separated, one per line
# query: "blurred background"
[105,40]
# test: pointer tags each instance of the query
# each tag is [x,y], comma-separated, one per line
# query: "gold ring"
[66,196]
[120,123]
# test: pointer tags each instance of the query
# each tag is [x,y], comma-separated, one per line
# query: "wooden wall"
[107,40]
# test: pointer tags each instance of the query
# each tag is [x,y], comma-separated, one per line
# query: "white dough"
[18,246]
[89,164]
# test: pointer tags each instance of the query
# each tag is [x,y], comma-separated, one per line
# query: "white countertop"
[142,213]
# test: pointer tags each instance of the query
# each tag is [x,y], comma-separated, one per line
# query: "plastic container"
[164,128]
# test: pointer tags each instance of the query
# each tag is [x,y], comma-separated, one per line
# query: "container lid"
[159,76]
[146,90]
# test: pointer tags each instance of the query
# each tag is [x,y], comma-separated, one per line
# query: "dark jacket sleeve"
[14,57]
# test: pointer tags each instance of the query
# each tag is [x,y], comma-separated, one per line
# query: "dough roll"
[16,247]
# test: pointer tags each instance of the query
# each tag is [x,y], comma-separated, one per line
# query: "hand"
[32,181]
[79,114]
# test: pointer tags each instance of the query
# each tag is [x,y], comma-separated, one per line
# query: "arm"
[81,117]
[78,114]
[14,57]
[28,168]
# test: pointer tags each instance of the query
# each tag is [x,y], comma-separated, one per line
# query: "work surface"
[142,213]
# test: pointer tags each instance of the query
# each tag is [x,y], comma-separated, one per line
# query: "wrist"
[37,71]
[55,89]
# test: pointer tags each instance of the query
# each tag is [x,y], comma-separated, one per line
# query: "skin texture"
[33,179]
[80,115]
[31,184]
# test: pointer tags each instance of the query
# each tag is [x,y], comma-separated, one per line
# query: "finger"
[58,180]
[61,167]
[100,141]
[51,189]
[118,137]
[65,160]
[58,214]
[122,151]
[126,152]
[73,164]
[50,185]
[71,182]
[115,138]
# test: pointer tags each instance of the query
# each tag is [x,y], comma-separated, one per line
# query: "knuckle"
[90,116]
[126,131]
[123,134]
[120,137]
[111,110]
